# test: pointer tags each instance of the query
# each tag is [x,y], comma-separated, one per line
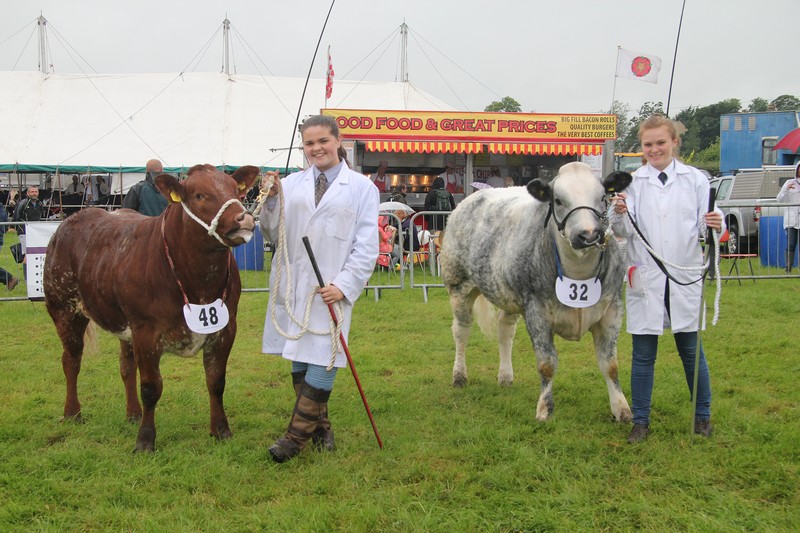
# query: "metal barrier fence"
[760,254]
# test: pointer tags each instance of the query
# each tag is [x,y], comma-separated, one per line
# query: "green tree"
[702,124]
[506,105]
[623,125]
[786,102]
[758,105]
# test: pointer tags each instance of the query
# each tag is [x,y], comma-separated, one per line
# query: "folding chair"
[735,265]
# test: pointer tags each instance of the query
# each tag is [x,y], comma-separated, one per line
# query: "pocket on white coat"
[339,224]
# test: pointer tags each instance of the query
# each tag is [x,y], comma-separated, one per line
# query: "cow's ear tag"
[175,197]
[242,186]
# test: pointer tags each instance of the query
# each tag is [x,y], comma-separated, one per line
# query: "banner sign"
[486,127]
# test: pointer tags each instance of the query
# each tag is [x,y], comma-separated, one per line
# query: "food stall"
[461,147]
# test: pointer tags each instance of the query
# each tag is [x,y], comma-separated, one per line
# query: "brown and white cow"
[133,274]
[542,253]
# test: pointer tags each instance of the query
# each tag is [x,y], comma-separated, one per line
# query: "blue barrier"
[250,255]
[773,242]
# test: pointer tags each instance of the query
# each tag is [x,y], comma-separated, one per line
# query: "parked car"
[743,196]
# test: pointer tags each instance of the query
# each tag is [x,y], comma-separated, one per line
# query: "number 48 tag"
[578,292]
[206,318]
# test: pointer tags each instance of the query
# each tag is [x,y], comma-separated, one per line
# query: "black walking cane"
[344,343]
[712,196]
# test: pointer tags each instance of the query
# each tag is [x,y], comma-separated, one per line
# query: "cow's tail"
[90,338]
[486,314]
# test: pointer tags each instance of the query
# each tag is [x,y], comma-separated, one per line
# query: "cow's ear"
[540,190]
[245,177]
[169,186]
[617,182]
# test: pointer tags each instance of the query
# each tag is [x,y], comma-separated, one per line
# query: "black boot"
[308,408]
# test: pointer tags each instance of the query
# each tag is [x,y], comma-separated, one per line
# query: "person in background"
[450,179]
[380,179]
[102,191]
[438,199]
[76,187]
[337,209]
[668,200]
[5,277]
[790,194]
[386,233]
[29,209]
[495,180]
[400,195]
[144,197]
[508,181]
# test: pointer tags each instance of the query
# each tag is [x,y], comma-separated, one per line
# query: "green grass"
[470,459]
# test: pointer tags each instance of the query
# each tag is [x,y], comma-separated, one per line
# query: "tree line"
[700,139]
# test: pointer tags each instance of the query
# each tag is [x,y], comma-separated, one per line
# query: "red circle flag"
[641,66]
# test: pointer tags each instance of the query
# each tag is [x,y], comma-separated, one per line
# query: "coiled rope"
[282,255]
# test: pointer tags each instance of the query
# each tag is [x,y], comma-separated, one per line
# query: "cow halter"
[212,228]
[561,224]
[174,273]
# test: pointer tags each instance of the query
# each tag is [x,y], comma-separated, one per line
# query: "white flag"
[643,67]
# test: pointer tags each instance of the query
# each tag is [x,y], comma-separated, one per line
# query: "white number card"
[206,318]
[577,292]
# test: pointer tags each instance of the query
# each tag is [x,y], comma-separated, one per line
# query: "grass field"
[470,459]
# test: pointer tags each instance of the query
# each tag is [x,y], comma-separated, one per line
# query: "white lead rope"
[700,268]
[283,257]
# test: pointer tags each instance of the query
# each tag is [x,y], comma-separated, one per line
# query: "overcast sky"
[551,56]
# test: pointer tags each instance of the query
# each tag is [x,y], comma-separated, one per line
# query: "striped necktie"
[321,187]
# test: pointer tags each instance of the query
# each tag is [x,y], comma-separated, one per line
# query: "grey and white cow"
[509,245]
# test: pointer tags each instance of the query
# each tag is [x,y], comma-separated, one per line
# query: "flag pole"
[674,57]
[327,75]
[614,90]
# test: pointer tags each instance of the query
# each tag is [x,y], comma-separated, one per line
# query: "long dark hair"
[320,120]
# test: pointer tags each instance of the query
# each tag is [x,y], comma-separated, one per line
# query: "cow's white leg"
[541,334]
[506,329]
[605,335]
[461,304]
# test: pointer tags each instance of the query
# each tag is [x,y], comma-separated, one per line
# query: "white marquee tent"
[114,123]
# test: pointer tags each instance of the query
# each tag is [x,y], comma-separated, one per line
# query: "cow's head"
[577,202]
[211,198]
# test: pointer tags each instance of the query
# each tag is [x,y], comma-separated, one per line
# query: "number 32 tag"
[206,318]
[577,292]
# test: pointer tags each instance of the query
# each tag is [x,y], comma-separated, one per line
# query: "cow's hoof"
[76,418]
[505,381]
[625,416]
[222,435]
[144,447]
[459,381]
[134,418]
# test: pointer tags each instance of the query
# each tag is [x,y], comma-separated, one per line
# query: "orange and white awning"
[424,147]
[545,149]
[474,148]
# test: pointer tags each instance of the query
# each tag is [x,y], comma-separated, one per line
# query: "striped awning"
[424,147]
[494,148]
[545,149]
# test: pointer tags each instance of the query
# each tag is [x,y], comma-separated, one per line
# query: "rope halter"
[212,228]
[561,224]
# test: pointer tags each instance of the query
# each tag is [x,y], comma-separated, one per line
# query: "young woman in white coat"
[342,231]
[668,200]
[790,194]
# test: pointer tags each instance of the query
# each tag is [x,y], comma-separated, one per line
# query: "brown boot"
[310,404]
[323,435]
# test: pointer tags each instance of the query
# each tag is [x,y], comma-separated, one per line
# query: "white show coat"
[792,217]
[343,232]
[671,218]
